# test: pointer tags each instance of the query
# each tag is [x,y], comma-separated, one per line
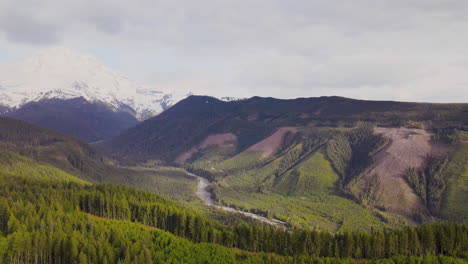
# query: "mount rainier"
[59,73]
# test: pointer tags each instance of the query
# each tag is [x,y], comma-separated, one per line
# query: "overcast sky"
[370,49]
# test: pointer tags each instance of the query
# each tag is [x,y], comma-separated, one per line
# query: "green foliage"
[242,161]
[317,210]
[297,154]
[456,175]
[351,153]
[253,184]
[169,182]
[67,236]
[429,182]
[339,152]
[16,165]
[372,194]
[208,159]
[46,146]
[46,222]
[315,174]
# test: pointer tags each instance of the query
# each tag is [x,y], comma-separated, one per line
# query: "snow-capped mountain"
[59,73]
[231,99]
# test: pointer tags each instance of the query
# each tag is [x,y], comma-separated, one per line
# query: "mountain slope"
[179,129]
[18,166]
[77,158]
[77,117]
[192,120]
[47,146]
[454,201]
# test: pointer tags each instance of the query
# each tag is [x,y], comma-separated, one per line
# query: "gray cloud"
[49,21]
[409,50]
[25,29]
[106,17]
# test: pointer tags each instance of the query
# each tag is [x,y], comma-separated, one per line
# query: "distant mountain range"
[75,93]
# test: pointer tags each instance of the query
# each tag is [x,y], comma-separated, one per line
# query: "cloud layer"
[401,50]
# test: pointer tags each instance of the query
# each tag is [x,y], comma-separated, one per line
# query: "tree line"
[39,211]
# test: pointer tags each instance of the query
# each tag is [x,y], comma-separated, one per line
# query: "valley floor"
[205,195]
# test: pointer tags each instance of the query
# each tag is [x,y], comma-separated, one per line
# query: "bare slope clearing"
[406,148]
[269,145]
[222,140]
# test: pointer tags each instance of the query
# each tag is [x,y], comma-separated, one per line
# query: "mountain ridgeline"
[344,150]
[190,121]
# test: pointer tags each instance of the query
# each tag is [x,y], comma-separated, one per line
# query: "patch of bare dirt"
[222,140]
[269,145]
[406,148]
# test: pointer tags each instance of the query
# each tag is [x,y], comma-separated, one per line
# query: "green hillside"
[313,181]
[315,174]
[46,146]
[299,184]
[54,150]
[44,221]
[454,203]
[68,235]
[12,164]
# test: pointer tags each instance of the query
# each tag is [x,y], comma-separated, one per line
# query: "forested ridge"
[46,221]
[191,120]
[47,146]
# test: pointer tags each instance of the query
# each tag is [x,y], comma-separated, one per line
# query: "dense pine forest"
[45,220]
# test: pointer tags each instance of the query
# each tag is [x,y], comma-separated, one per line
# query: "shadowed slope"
[77,117]
[189,122]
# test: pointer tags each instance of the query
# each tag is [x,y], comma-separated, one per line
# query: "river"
[205,195]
